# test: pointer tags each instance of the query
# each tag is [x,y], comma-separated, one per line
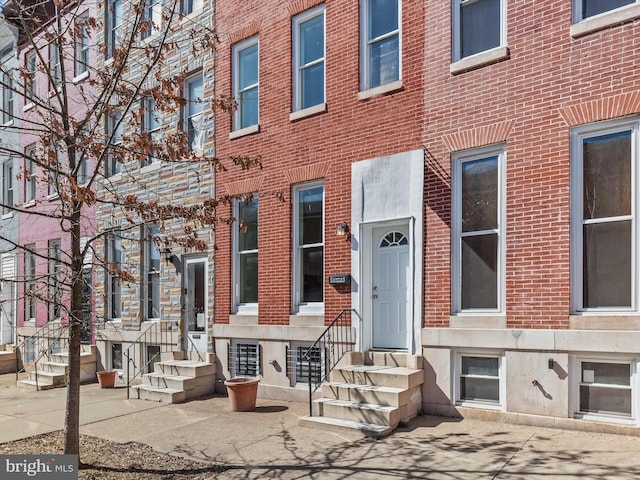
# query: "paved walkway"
[268,443]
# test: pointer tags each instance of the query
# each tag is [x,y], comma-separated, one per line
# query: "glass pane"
[248,214]
[312,40]
[609,373]
[313,85]
[383,17]
[484,389]
[480,366]
[480,195]
[594,7]
[248,108]
[248,67]
[607,175]
[479,271]
[479,26]
[384,62]
[116,356]
[311,267]
[606,272]
[310,215]
[249,278]
[605,400]
[196,95]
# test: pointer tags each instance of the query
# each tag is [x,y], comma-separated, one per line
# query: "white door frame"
[366,284]
[200,338]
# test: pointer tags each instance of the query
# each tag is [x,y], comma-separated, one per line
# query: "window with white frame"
[191,6]
[308,57]
[30,175]
[303,366]
[7,98]
[309,247]
[380,37]
[193,117]
[588,8]
[55,67]
[114,127]
[604,185]
[246,255]
[150,273]
[113,26]
[152,17]
[151,127]
[605,388]
[30,282]
[245,83]
[8,187]
[82,46]
[245,359]
[55,279]
[112,274]
[479,379]
[30,81]
[478,26]
[478,230]
[53,181]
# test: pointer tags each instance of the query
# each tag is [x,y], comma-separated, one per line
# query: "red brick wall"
[350,130]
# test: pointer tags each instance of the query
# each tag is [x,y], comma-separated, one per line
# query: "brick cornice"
[601,109]
[306,173]
[245,32]
[302,5]
[248,185]
[479,136]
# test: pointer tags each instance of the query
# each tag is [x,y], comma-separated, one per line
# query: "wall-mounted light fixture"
[166,253]
[342,229]
[172,259]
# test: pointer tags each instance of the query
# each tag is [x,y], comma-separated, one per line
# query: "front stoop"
[178,379]
[52,373]
[369,392]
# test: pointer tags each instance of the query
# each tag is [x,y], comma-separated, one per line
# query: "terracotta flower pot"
[107,379]
[242,393]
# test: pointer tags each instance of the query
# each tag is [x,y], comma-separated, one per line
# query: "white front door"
[195,303]
[390,288]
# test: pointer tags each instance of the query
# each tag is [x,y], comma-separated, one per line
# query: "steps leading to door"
[52,373]
[177,378]
[370,392]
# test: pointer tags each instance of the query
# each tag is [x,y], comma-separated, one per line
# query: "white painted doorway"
[195,303]
[391,280]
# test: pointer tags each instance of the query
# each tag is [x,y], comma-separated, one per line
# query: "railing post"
[310,386]
[127,355]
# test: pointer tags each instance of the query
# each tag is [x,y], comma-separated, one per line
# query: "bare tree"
[84,71]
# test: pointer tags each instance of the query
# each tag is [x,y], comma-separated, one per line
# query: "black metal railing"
[336,341]
[156,334]
[50,338]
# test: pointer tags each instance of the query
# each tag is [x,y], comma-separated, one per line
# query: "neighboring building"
[9,173]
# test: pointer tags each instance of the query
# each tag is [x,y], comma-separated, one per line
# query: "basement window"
[480,380]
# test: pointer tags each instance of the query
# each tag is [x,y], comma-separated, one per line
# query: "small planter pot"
[243,392]
[107,379]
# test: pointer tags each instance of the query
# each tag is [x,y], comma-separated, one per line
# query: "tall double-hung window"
[55,67]
[193,120]
[191,6]
[605,182]
[30,176]
[478,231]
[8,187]
[112,275]
[152,17]
[82,46]
[309,248]
[7,98]
[30,80]
[55,279]
[588,8]
[30,282]
[114,127]
[380,37]
[245,83]
[151,126]
[478,26]
[150,273]
[308,58]
[113,26]
[246,255]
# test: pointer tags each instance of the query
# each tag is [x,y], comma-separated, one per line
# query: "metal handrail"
[335,342]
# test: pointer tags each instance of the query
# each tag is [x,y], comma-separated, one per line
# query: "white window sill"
[479,60]
[52,196]
[307,112]
[28,106]
[381,90]
[605,418]
[6,216]
[191,15]
[81,77]
[108,61]
[8,124]
[484,406]
[29,204]
[244,131]
[313,309]
[604,20]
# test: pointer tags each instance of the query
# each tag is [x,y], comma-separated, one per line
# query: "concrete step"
[48,378]
[33,385]
[357,412]
[337,425]
[156,394]
[383,376]
[188,368]
[54,367]
[179,382]
[63,357]
[352,392]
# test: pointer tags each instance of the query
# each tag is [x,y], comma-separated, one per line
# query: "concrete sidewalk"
[268,443]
